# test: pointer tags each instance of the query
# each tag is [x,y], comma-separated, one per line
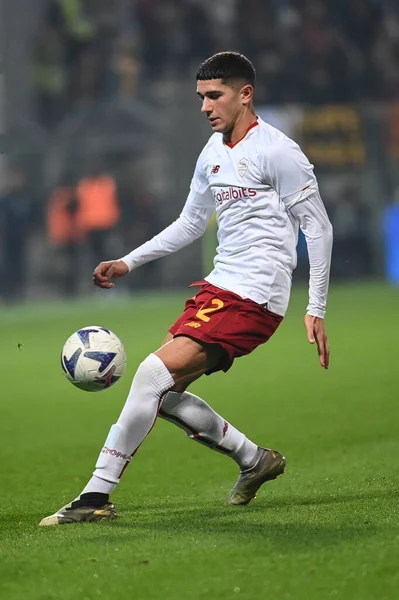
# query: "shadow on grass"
[275,522]
[264,504]
[325,499]
[205,527]
[271,526]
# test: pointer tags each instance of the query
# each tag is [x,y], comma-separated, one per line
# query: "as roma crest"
[243,166]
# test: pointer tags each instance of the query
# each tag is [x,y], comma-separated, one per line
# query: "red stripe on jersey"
[230,145]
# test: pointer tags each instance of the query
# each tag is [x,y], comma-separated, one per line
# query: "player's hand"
[111,269]
[317,334]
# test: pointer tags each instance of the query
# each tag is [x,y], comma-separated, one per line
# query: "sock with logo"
[202,424]
[137,418]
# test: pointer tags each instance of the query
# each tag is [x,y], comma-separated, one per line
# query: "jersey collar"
[254,124]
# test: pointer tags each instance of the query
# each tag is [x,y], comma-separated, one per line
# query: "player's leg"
[175,363]
[202,424]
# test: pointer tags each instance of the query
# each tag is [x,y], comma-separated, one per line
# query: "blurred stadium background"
[98,107]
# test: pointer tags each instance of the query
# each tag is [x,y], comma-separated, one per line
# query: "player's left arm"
[315,224]
[293,179]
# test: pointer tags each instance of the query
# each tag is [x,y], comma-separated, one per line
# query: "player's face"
[223,104]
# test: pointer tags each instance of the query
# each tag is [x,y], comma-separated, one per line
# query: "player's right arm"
[190,225]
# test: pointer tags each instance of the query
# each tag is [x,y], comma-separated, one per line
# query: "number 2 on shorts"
[203,313]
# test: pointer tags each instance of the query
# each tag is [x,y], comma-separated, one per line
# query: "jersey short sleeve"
[289,172]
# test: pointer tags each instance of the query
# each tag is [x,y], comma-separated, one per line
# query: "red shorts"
[217,316]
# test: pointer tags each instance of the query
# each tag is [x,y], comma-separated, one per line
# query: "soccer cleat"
[80,514]
[270,465]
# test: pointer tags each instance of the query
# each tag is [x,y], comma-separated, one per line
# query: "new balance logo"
[215,169]
[193,324]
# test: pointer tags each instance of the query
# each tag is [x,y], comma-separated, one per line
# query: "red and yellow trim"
[230,145]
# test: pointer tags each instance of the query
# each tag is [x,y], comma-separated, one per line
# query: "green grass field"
[328,529]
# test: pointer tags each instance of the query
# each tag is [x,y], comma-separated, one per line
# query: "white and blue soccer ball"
[93,358]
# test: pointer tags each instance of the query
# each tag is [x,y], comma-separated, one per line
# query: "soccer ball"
[93,358]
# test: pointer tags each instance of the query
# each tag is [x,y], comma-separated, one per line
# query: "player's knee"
[151,371]
[186,359]
[180,387]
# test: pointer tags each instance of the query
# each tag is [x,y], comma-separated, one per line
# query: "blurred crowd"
[93,201]
[305,51]
[84,221]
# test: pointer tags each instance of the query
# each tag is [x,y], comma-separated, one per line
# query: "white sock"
[137,418]
[204,425]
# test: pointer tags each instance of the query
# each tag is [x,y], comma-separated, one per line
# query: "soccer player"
[263,188]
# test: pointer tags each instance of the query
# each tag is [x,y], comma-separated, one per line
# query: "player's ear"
[247,94]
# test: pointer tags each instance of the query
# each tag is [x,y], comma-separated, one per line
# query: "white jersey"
[254,186]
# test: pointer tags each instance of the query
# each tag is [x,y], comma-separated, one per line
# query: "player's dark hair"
[230,67]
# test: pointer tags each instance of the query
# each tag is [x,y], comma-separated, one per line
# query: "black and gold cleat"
[270,465]
[80,511]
